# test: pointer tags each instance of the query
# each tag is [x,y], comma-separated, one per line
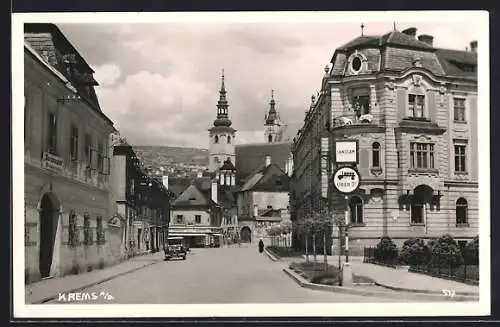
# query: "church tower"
[273,124]
[221,134]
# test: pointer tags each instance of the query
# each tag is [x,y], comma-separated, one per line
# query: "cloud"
[159,83]
[107,74]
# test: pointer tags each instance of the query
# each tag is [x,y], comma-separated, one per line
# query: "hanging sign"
[346,180]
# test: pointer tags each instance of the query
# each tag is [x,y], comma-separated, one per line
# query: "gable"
[191,197]
[270,179]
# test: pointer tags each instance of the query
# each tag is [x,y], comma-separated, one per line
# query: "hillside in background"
[176,161]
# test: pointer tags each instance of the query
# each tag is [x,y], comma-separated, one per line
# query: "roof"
[402,39]
[361,41]
[191,196]
[268,179]
[228,165]
[453,62]
[251,157]
[178,184]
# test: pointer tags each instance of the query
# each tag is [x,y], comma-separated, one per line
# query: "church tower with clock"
[221,134]
[272,123]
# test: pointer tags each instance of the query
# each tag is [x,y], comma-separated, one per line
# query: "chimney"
[268,160]
[426,39]
[165,181]
[473,46]
[411,31]
[214,191]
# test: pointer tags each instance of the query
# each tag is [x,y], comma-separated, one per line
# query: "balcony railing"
[353,119]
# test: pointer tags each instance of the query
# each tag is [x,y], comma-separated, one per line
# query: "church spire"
[273,115]
[222,106]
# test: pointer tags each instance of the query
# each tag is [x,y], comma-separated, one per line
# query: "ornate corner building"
[413,109]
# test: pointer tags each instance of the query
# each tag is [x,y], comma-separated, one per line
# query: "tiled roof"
[251,157]
[452,62]
[192,196]
[268,179]
[402,39]
[361,41]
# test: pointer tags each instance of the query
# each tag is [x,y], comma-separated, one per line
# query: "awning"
[185,234]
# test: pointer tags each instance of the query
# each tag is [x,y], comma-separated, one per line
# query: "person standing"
[261,246]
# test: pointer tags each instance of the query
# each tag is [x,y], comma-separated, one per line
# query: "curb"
[364,292]
[76,289]
[410,290]
[271,256]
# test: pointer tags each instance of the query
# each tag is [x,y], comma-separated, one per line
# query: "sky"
[159,82]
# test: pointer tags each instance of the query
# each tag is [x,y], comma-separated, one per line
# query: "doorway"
[49,212]
[246,235]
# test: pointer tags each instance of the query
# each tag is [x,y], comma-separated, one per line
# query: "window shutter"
[431,106]
[401,103]
[364,161]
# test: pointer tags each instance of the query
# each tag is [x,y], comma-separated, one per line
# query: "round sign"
[346,180]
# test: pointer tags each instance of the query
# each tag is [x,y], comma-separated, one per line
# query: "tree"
[304,227]
[323,224]
[414,252]
[286,229]
[446,252]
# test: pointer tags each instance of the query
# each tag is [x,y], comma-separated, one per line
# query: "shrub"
[471,252]
[386,251]
[101,264]
[75,269]
[414,252]
[446,253]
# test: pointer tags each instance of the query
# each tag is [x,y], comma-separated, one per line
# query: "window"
[73,145]
[459,109]
[461,211]
[416,106]
[179,219]
[100,157]
[216,139]
[270,139]
[361,104]
[88,149]
[356,208]
[398,157]
[376,155]
[229,140]
[100,231]
[72,231]
[197,219]
[87,232]
[417,210]
[356,64]
[52,134]
[422,155]
[460,158]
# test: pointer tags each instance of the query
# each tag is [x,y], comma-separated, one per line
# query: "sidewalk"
[401,279]
[48,289]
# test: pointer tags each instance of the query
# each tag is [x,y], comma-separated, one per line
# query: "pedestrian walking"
[261,246]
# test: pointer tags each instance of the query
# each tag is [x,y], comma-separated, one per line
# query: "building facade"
[263,201]
[221,134]
[66,159]
[140,204]
[412,108]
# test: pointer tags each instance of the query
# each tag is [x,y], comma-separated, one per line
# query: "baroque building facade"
[412,108]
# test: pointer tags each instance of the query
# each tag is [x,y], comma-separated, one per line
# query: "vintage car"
[176,248]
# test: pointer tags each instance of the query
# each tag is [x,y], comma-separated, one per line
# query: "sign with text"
[346,180]
[346,151]
[52,162]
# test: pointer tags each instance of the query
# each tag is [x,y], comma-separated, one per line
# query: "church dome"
[222,122]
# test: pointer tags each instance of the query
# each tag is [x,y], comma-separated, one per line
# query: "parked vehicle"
[176,248]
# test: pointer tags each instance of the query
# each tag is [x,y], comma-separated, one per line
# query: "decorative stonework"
[417,79]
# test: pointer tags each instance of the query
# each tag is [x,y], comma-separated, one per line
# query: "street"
[214,275]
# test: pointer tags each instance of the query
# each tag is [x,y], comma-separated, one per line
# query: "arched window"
[376,155]
[356,208]
[461,211]
[229,140]
[270,138]
[216,139]
[417,209]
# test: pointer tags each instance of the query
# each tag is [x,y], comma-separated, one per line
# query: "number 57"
[450,293]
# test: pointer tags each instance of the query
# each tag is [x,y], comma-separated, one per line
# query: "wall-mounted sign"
[346,151]
[346,180]
[52,162]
